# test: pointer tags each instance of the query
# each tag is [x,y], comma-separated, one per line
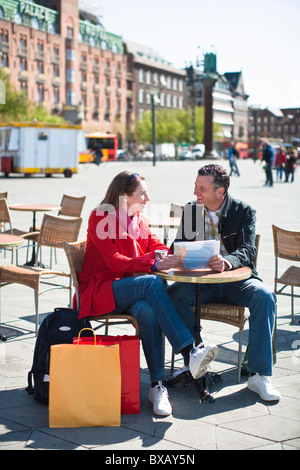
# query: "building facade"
[63,58]
[154,76]
[277,125]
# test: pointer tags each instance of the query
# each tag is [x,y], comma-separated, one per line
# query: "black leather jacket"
[236,227]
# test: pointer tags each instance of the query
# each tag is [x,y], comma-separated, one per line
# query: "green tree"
[171,126]
[17,107]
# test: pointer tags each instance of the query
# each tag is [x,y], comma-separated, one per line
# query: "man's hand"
[218,263]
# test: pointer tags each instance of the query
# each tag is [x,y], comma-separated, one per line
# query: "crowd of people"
[284,161]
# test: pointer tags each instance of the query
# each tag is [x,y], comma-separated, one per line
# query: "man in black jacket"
[233,223]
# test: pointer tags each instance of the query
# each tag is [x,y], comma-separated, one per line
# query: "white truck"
[40,148]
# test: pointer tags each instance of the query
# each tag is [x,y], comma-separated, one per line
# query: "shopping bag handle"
[83,329]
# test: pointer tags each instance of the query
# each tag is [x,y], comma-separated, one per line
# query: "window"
[55,97]
[141,96]
[71,98]
[174,83]
[71,76]
[141,75]
[71,54]
[148,77]
[70,32]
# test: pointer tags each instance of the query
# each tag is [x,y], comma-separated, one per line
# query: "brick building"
[282,125]
[64,59]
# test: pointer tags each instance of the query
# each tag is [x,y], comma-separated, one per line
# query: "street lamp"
[255,109]
[155,92]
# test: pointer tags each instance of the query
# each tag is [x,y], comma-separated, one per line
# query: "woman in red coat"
[120,245]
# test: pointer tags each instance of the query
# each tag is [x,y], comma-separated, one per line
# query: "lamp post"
[153,128]
[255,109]
[154,92]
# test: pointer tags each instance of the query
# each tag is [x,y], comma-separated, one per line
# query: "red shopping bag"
[130,368]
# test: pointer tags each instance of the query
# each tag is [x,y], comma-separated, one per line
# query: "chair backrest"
[257,240]
[4,213]
[286,244]
[176,209]
[71,205]
[75,253]
[56,230]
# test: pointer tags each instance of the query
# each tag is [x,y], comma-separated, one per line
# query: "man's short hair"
[221,178]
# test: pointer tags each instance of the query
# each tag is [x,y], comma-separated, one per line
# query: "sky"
[261,38]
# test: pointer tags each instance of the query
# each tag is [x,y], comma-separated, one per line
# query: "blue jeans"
[251,293]
[145,298]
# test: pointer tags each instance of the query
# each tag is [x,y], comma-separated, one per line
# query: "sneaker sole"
[210,356]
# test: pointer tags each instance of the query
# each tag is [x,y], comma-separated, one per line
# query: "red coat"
[108,258]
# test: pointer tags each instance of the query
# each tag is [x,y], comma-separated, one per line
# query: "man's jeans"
[251,293]
[145,298]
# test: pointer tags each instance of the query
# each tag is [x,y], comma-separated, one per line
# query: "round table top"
[10,240]
[205,276]
[34,207]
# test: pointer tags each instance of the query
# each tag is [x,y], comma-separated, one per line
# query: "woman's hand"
[169,262]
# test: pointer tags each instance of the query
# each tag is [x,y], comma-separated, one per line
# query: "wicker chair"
[3,194]
[287,247]
[54,231]
[176,209]
[226,313]
[5,218]
[71,206]
[75,254]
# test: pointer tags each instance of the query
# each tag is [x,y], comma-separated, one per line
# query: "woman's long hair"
[124,183]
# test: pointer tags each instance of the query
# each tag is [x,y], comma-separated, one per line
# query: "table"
[8,241]
[164,222]
[34,208]
[198,277]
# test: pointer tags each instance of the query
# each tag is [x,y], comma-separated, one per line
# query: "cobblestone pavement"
[238,419]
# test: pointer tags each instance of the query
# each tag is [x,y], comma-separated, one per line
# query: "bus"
[108,143]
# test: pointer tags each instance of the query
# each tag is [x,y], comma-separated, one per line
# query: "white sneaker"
[262,385]
[200,358]
[158,395]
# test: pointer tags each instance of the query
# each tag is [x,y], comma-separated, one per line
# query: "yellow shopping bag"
[85,385]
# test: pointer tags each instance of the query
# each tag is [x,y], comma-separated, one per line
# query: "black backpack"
[59,327]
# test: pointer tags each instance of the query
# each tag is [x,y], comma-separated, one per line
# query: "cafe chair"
[70,206]
[176,209]
[5,218]
[75,253]
[3,195]
[286,247]
[234,315]
[54,232]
